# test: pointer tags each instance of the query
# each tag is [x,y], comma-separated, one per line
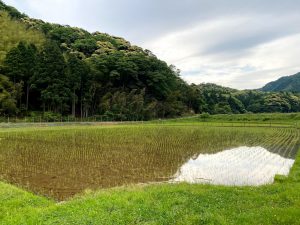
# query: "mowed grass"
[278,203]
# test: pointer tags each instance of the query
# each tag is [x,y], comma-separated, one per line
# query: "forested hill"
[50,69]
[288,83]
[65,70]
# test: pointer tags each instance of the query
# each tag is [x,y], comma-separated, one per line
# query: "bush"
[51,117]
[204,116]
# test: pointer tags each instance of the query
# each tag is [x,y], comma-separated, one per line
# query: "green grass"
[259,119]
[278,203]
[248,119]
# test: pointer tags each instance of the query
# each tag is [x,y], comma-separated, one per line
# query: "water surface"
[238,166]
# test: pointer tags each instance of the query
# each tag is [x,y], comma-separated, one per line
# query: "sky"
[241,44]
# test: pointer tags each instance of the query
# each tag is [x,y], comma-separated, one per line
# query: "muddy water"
[61,163]
[238,166]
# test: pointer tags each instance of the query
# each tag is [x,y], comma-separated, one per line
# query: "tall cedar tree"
[51,79]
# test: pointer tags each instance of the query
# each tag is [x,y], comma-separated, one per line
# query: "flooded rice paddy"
[62,162]
[239,166]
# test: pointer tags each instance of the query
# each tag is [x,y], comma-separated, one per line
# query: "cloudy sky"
[237,43]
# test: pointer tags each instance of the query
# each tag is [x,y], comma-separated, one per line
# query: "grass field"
[260,119]
[248,119]
[73,158]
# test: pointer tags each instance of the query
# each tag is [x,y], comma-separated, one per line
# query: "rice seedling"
[60,162]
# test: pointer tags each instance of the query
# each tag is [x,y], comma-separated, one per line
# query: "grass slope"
[247,119]
[278,203]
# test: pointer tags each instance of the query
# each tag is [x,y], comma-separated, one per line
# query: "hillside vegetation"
[216,99]
[50,69]
[13,32]
[288,83]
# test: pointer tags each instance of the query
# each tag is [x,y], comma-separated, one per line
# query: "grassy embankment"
[248,119]
[240,120]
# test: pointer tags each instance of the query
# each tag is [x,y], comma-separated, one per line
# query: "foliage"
[68,70]
[257,101]
[51,79]
[88,74]
[289,83]
[51,117]
[7,98]
[14,13]
[13,32]
[215,99]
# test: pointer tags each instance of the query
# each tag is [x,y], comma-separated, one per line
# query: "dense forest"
[221,100]
[50,68]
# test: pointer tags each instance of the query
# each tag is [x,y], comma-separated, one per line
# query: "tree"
[51,79]
[77,69]
[95,73]
[20,64]
[236,105]
[7,97]
[87,46]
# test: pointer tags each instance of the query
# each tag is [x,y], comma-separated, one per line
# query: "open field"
[60,162]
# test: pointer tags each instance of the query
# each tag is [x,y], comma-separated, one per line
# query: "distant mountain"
[288,83]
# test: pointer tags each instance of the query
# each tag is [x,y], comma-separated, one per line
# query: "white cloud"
[249,63]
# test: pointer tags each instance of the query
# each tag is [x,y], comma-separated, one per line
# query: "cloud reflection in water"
[239,166]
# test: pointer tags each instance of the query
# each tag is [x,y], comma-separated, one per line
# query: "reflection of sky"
[238,166]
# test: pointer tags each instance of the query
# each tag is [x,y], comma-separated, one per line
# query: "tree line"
[120,85]
[62,70]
